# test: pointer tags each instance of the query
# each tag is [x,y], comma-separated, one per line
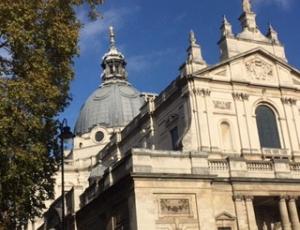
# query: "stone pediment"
[225,216]
[257,67]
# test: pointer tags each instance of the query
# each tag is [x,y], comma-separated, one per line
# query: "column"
[239,98]
[284,214]
[240,212]
[250,213]
[293,214]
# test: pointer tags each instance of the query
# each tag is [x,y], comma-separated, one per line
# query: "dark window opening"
[174,137]
[99,136]
[267,127]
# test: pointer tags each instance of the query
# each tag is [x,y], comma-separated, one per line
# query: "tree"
[38,40]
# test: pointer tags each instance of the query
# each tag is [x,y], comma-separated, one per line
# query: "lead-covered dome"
[112,105]
[116,101]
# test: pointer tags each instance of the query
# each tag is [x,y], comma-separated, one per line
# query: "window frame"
[278,145]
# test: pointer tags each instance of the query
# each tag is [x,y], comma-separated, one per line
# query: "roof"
[111,105]
[248,53]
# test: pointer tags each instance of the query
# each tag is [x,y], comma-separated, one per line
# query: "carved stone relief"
[259,70]
[289,100]
[177,211]
[226,105]
[202,92]
[175,206]
[240,96]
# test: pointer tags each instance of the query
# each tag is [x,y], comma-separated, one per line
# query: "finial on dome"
[112,37]
[247,8]
[192,38]
[113,62]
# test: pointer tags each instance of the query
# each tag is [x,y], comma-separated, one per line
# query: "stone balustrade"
[259,166]
[218,165]
[186,164]
[80,164]
[295,167]
[154,162]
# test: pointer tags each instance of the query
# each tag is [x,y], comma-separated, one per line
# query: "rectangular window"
[174,137]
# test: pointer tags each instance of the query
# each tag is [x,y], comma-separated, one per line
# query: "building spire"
[192,38]
[272,35]
[226,28]
[194,50]
[112,37]
[194,60]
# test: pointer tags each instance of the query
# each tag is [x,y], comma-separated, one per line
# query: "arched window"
[226,136]
[267,127]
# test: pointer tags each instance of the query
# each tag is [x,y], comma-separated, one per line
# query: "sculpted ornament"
[259,70]
[289,101]
[202,92]
[222,105]
[247,6]
[175,206]
[240,96]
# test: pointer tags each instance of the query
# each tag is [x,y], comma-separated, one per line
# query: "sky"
[153,36]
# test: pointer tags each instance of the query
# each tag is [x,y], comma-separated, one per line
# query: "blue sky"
[153,36]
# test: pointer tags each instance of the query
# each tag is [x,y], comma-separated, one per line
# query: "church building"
[217,149]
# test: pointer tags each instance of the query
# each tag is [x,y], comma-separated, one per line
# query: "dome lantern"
[113,62]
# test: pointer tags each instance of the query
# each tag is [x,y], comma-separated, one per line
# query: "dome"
[111,105]
[116,101]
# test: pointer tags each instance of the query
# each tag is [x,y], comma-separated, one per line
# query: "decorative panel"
[259,70]
[176,211]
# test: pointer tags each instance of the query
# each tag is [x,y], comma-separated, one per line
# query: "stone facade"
[219,148]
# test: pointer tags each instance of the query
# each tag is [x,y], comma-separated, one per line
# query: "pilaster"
[242,122]
[284,213]
[202,117]
[293,213]
[250,213]
[241,212]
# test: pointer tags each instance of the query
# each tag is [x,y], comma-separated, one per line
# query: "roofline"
[247,53]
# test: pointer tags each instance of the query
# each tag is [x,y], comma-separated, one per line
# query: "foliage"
[38,39]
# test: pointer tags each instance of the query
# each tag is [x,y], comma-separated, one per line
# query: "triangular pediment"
[258,67]
[225,216]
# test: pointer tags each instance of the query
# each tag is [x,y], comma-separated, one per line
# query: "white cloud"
[93,32]
[285,4]
[140,63]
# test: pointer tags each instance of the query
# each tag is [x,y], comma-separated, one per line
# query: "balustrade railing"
[295,167]
[259,166]
[218,165]
[80,163]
